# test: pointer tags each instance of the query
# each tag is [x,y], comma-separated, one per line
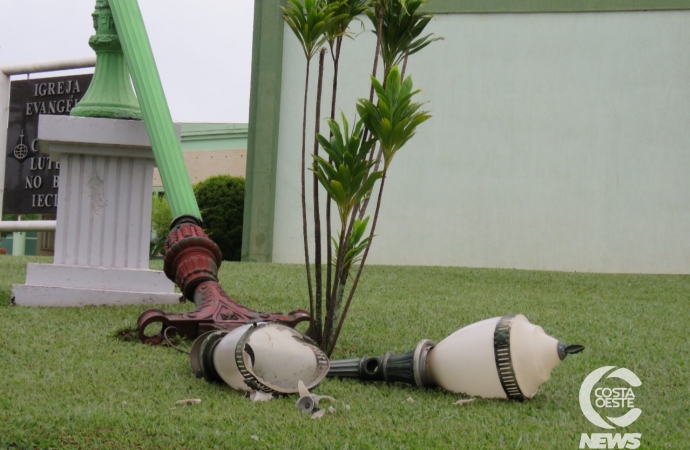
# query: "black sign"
[31,178]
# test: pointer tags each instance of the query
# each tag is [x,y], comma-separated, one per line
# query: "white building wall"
[558,142]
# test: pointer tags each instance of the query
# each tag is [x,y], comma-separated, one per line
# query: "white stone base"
[63,285]
[103,218]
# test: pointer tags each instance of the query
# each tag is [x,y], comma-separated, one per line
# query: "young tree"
[350,172]
[348,12]
[392,121]
[309,21]
[345,177]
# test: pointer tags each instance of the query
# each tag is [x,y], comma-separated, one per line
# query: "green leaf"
[394,119]
[344,176]
[311,22]
[402,25]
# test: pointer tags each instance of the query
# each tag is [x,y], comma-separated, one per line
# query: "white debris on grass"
[309,403]
[303,391]
[464,401]
[189,401]
[259,396]
[318,398]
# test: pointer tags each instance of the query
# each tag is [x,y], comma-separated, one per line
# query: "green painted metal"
[264,121]
[30,243]
[214,136]
[18,243]
[159,124]
[526,6]
[110,93]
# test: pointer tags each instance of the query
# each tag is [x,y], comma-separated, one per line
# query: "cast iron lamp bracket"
[192,261]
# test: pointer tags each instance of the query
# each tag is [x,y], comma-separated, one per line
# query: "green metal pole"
[166,148]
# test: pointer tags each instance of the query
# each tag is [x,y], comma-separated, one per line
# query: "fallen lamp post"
[191,258]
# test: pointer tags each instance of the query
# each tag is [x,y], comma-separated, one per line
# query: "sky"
[203,48]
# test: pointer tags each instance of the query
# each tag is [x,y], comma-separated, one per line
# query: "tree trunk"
[330,304]
[361,266]
[379,32]
[329,233]
[304,197]
[317,214]
[402,74]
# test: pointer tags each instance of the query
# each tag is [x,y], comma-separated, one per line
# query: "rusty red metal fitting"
[192,261]
[190,258]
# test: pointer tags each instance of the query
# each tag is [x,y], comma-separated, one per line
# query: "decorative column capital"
[110,93]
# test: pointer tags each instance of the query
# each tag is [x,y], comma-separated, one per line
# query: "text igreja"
[62,106]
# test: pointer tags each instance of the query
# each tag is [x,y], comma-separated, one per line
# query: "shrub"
[161,217]
[221,202]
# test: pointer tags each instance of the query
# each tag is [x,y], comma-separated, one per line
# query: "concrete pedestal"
[103,220]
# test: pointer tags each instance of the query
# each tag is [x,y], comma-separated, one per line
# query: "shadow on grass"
[130,334]
[127,334]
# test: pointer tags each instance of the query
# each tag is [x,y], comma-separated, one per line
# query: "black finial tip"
[564,350]
[573,349]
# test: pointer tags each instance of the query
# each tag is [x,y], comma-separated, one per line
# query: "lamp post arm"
[191,258]
[154,107]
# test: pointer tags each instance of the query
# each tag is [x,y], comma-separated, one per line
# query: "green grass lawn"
[66,381]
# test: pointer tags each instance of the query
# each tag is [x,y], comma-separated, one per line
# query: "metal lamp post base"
[192,261]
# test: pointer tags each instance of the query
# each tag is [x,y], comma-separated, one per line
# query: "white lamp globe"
[502,357]
[268,357]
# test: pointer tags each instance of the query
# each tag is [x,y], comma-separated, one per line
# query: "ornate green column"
[110,93]
[147,83]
